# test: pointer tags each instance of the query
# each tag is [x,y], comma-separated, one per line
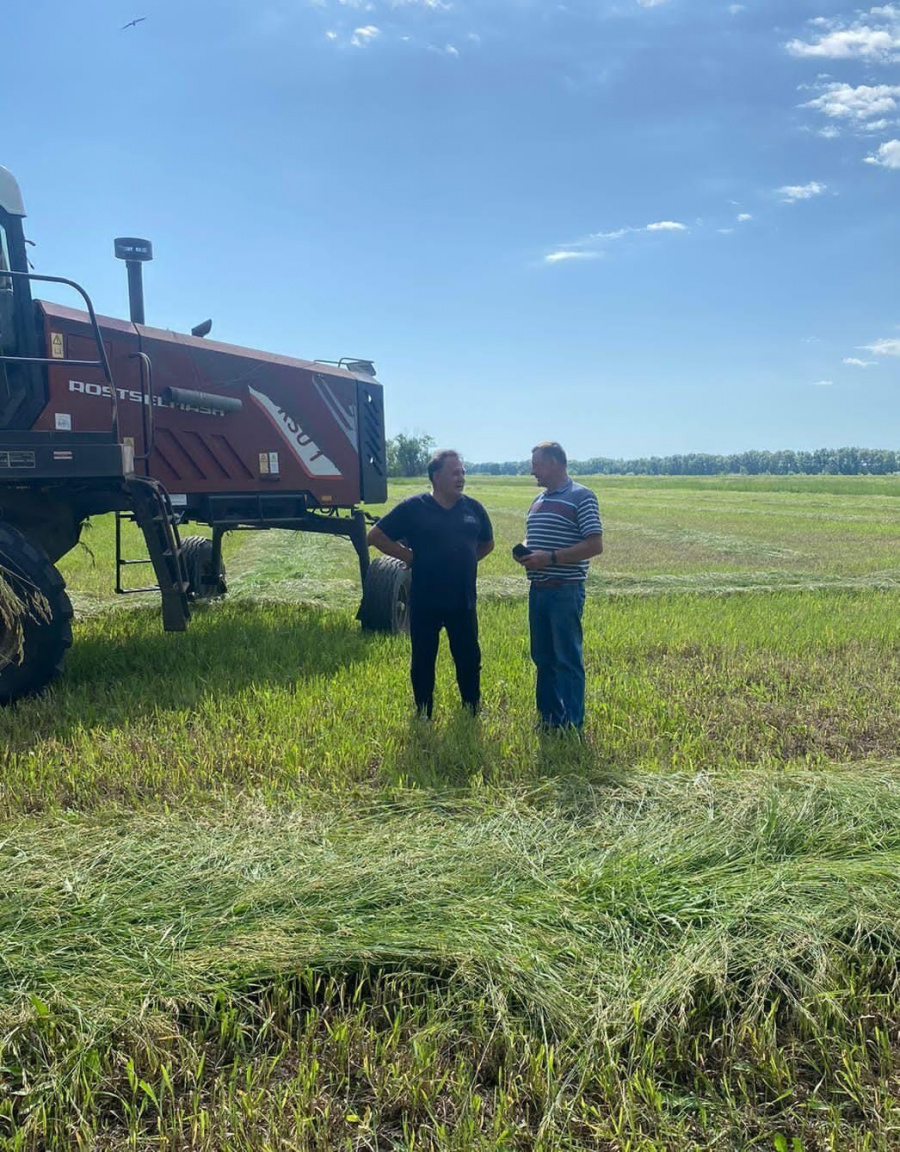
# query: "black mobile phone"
[520,550]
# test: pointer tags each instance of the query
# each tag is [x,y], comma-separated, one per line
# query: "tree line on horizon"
[408,455]
[821,461]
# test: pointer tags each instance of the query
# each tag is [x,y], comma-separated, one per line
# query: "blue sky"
[635,227]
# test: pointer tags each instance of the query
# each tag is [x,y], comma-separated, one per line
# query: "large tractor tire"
[385,602]
[33,648]
[196,558]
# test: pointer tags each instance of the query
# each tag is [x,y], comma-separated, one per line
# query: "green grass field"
[249,903]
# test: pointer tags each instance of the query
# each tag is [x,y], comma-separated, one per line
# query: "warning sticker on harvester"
[273,463]
[16,459]
[57,349]
[63,422]
[264,463]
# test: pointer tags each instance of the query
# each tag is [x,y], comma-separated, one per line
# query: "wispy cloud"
[563,254]
[792,193]
[651,3]
[865,106]
[822,383]
[873,36]
[743,217]
[363,36]
[887,156]
[889,347]
[618,233]
[855,362]
[592,246]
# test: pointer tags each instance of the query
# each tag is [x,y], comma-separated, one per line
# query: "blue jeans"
[554,618]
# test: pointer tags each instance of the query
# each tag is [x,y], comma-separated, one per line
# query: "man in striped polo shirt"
[563,531]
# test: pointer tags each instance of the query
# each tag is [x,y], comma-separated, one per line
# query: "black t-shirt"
[444,543]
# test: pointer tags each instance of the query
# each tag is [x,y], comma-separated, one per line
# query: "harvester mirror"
[203,329]
[7,307]
[7,319]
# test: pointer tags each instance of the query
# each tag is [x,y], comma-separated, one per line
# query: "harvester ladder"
[151,509]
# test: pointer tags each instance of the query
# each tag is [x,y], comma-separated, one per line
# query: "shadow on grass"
[130,668]
[442,755]
[458,752]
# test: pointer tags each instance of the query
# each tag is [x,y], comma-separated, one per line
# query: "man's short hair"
[436,463]
[552,449]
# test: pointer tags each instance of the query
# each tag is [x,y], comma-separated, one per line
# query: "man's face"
[541,468]
[450,478]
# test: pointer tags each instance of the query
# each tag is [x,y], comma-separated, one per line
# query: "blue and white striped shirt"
[560,519]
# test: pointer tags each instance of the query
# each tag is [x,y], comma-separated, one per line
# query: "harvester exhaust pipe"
[134,252]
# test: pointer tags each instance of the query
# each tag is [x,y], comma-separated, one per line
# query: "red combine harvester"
[100,415]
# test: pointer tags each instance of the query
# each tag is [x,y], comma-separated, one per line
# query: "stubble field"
[248,903]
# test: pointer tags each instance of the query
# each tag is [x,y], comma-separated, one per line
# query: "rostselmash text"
[135,397]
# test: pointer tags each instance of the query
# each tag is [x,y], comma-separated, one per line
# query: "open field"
[249,904]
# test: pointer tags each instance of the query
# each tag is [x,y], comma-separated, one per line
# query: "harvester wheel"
[385,602]
[35,617]
[196,557]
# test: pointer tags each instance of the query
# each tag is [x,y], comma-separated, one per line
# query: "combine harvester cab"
[101,415]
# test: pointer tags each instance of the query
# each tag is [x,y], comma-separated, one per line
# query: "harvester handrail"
[148,424]
[103,362]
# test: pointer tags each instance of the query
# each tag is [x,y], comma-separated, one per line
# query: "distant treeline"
[821,462]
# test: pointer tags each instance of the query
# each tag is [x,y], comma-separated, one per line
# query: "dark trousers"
[425,624]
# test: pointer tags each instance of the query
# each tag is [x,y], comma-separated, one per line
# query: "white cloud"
[569,254]
[791,193]
[743,217]
[473,37]
[434,5]
[363,36]
[855,362]
[887,156]
[861,104]
[734,9]
[829,132]
[822,383]
[651,3]
[331,35]
[590,247]
[883,348]
[725,231]
[870,36]
[667,226]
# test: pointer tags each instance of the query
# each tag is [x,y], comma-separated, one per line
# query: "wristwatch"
[553,557]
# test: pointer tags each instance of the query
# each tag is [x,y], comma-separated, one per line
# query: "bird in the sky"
[132,23]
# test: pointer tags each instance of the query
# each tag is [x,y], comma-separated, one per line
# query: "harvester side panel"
[297,426]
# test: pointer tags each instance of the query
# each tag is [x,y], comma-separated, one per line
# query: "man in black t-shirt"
[442,535]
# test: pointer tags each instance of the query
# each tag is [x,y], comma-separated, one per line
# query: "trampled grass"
[247,903]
